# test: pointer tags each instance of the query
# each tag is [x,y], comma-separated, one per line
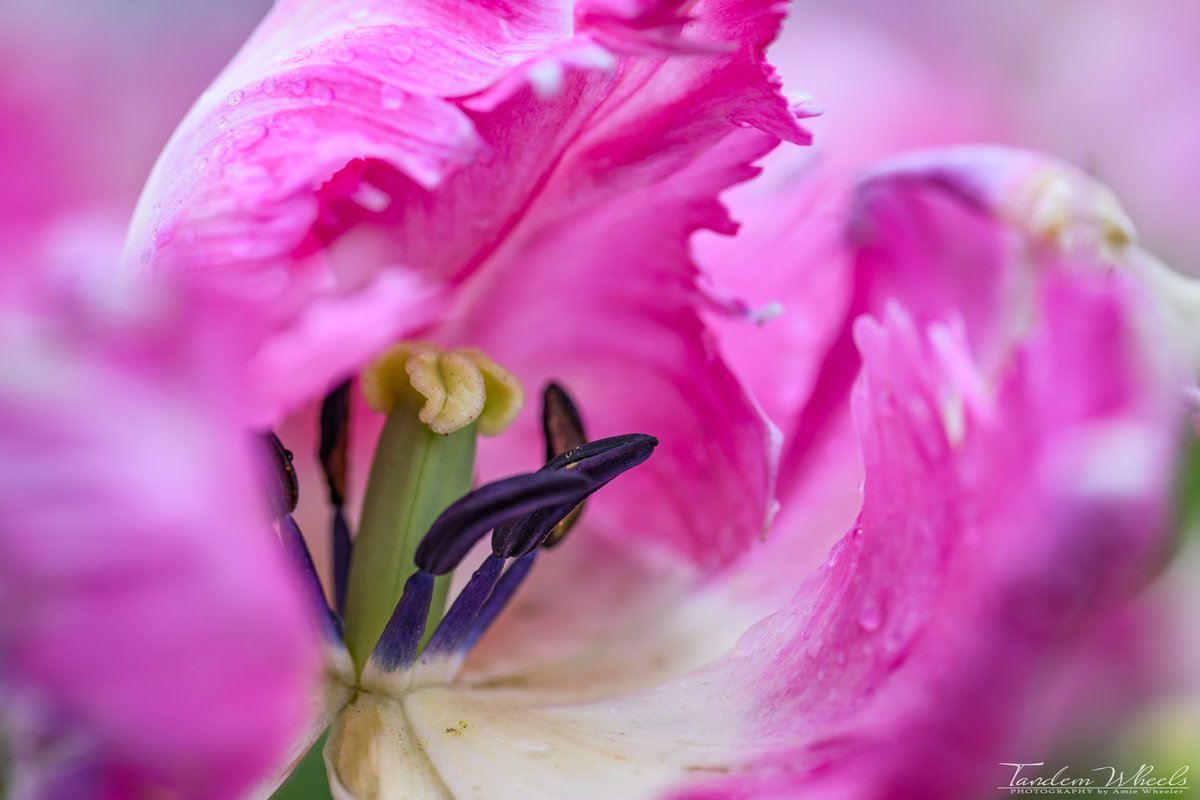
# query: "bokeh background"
[91,90]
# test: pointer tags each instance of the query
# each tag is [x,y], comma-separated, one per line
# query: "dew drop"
[222,123]
[871,616]
[269,86]
[235,97]
[344,55]
[392,98]
[299,87]
[400,53]
[322,96]
[199,163]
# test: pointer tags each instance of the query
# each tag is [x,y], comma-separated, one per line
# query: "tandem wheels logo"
[1036,779]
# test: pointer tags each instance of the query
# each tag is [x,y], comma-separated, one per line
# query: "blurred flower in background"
[89,92]
[1096,82]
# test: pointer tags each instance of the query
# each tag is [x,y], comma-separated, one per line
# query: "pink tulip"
[527,182]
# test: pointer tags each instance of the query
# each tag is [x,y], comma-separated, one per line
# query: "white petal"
[372,753]
[490,746]
[593,622]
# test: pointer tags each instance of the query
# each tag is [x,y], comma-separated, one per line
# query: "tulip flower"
[450,208]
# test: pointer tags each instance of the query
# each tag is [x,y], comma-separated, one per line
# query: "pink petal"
[792,279]
[333,120]
[155,640]
[619,326]
[994,532]
[943,229]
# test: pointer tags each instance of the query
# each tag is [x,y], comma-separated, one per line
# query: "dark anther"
[563,428]
[297,550]
[282,486]
[335,414]
[506,587]
[335,417]
[468,519]
[561,423]
[397,646]
[460,620]
[599,462]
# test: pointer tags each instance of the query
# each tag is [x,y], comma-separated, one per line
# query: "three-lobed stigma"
[459,387]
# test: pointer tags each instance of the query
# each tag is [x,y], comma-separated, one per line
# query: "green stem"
[308,781]
[416,474]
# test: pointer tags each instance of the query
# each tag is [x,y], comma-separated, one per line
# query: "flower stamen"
[335,417]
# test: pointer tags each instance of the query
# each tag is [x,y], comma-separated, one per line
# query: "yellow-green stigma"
[459,387]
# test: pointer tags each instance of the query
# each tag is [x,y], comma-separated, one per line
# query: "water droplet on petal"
[392,98]
[871,616]
[222,123]
[322,96]
[344,55]
[199,163]
[269,86]
[299,87]
[235,97]
[400,53]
